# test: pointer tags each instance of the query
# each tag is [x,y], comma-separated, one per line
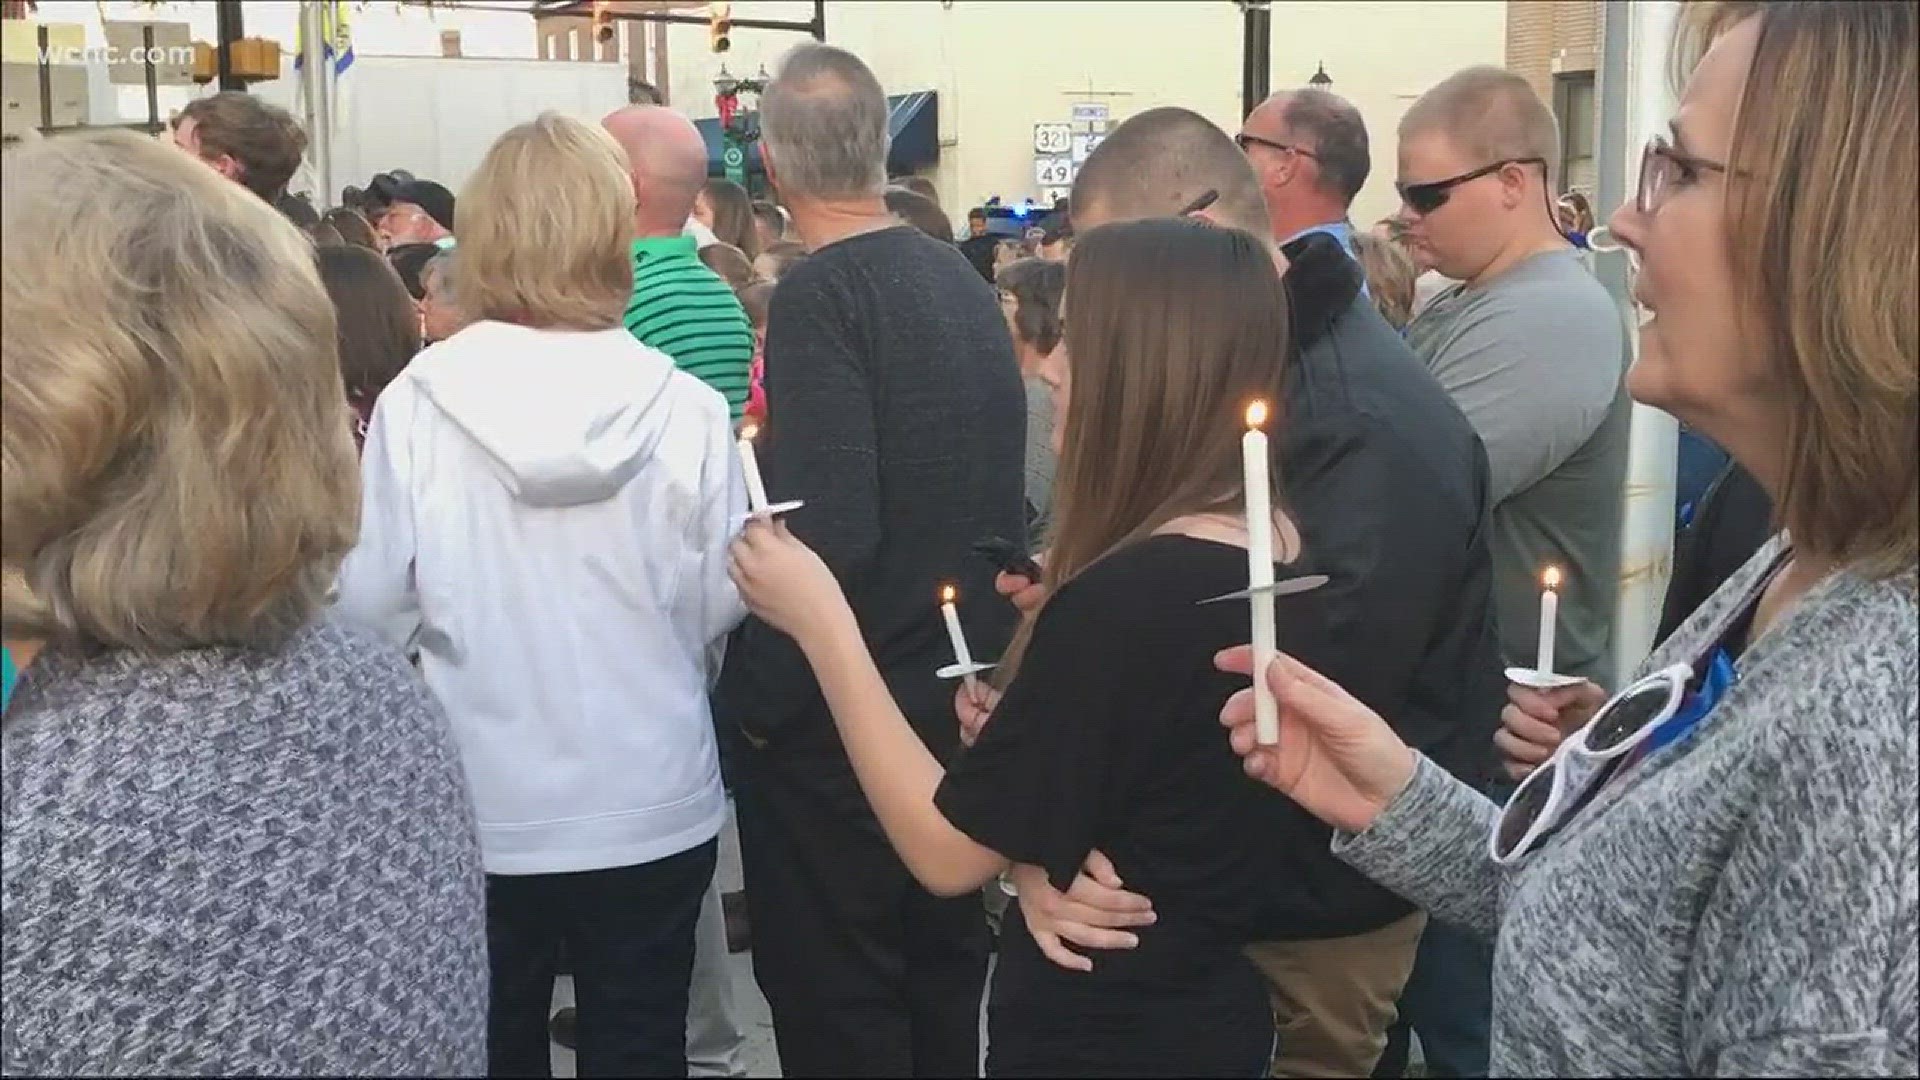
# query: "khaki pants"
[1334,998]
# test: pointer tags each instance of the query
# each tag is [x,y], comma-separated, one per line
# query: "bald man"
[1309,148]
[679,306]
[686,311]
[1389,485]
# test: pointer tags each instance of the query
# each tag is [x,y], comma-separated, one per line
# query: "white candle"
[756,487]
[1259,498]
[1549,615]
[962,656]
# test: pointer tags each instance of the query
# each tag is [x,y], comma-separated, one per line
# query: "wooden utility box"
[254,59]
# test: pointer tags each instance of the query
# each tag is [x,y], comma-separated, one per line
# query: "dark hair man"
[978,245]
[245,139]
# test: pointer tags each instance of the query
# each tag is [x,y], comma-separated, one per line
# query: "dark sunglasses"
[1432,195]
[1244,140]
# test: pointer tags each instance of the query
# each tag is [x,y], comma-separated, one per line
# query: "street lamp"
[1321,80]
[724,84]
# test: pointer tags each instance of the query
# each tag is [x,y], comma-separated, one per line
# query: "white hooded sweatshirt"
[545,517]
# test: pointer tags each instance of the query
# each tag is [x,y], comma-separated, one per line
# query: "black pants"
[867,973]
[629,934]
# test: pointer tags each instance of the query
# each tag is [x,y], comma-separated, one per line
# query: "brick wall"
[1549,36]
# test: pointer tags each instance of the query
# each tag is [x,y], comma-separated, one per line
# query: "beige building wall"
[1000,68]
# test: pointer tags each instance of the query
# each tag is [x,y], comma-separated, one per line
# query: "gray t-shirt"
[1535,358]
[1040,455]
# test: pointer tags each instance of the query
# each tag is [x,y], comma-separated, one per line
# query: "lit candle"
[1259,498]
[962,656]
[1549,615]
[756,487]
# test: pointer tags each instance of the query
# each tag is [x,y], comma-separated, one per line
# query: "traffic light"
[603,20]
[720,26]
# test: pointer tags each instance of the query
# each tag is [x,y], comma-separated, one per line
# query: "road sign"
[1052,138]
[1052,196]
[1086,112]
[1053,171]
[1084,145]
[733,159]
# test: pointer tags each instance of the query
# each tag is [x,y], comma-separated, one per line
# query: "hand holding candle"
[1259,499]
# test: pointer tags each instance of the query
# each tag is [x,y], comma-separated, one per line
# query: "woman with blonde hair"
[1713,873]
[1107,735]
[236,837]
[546,512]
[1390,274]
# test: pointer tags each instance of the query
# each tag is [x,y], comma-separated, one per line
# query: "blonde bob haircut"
[545,229]
[1822,219]
[176,463]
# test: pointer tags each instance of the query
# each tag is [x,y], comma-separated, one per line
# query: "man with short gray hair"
[898,416]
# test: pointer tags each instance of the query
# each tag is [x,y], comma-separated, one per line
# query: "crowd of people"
[394,615]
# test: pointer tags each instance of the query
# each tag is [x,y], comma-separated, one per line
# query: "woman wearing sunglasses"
[1715,872]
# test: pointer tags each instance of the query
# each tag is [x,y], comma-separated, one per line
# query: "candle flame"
[1257,414]
[947,594]
[1551,579]
[749,431]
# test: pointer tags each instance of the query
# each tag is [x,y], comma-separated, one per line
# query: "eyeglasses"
[1432,195]
[1547,797]
[1664,169]
[1244,140]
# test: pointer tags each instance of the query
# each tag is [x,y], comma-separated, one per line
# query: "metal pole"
[229,27]
[1256,54]
[154,126]
[1635,102]
[313,81]
[819,20]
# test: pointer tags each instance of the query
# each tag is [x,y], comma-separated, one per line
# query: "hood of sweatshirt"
[566,417]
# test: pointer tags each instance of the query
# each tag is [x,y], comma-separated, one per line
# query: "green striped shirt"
[686,311]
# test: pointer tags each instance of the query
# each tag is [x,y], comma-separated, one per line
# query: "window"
[1574,108]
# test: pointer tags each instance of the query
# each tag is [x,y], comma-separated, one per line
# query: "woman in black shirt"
[1108,734]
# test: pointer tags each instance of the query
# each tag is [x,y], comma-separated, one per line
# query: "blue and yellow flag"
[336,32]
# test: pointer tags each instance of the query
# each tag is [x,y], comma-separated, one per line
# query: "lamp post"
[734,135]
[1321,80]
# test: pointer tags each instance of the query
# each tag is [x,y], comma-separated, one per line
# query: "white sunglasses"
[1547,797]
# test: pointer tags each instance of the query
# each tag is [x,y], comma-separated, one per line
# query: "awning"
[913,127]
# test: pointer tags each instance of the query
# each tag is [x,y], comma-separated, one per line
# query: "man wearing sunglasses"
[1533,350]
[1309,148]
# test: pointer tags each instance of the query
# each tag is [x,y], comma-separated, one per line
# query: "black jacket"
[1389,485]
[1734,517]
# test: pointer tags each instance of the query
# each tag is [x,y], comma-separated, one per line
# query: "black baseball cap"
[437,201]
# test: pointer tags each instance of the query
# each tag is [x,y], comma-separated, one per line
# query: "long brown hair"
[1822,218]
[733,221]
[1173,327]
[378,329]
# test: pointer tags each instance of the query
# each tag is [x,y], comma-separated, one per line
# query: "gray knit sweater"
[1741,903]
[232,862]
